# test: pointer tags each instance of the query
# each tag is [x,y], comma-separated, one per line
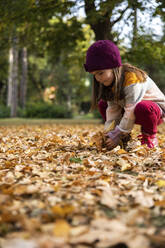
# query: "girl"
[124,94]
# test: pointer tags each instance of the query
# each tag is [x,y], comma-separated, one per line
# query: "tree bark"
[100,23]
[24,72]
[12,101]
[100,18]
[135,28]
[10,77]
[103,29]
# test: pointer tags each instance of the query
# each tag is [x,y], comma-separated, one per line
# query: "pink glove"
[113,138]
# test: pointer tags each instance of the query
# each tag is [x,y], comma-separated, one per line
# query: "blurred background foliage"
[43,45]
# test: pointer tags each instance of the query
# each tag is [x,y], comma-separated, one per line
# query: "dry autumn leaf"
[161,183]
[124,164]
[62,211]
[60,187]
[61,229]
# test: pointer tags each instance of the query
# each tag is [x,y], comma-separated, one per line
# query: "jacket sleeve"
[134,93]
[113,113]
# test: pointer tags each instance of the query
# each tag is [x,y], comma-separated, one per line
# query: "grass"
[26,121]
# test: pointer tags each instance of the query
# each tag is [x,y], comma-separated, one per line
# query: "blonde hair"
[99,91]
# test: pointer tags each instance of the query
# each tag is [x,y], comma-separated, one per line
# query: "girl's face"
[105,77]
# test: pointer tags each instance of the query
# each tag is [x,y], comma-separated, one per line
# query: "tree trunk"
[12,101]
[100,17]
[103,29]
[69,102]
[10,77]
[135,28]
[23,82]
[100,23]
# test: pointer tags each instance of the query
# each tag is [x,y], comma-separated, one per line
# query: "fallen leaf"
[161,183]
[160,203]
[62,211]
[124,164]
[62,228]
[108,198]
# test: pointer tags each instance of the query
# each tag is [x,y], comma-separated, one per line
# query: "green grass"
[24,121]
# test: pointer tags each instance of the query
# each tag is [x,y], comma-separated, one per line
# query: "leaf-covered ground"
[60,188]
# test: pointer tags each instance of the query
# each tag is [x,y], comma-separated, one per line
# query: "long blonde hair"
[99,91]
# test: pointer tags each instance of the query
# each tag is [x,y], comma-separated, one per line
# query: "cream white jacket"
[134,91]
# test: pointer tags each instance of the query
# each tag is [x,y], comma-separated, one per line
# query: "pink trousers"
[147,114]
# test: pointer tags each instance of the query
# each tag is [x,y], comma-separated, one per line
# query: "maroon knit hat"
[103,54]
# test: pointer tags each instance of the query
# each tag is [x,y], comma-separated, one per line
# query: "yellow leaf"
[62,211]
[98,140]
[91,143]
[61,229]
[121,151]
[124,164]
[8,164]
[160,203]
[161,183]
[58,211]
[141,177]
[141,151]
[57,187]
[110,127]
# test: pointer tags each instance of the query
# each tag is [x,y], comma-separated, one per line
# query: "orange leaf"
[160,203]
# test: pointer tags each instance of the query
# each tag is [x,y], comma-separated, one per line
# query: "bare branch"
[120,17]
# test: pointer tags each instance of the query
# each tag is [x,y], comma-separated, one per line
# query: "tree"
[54,43]
[103,16]
[33,24]
[10,20]
[99,17]
[160,11]
[13,77]
[24,75]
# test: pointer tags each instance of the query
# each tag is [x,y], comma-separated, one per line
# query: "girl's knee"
[141,108]
[147,113]
[146,108]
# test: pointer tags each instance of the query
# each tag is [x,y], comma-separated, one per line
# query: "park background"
[59,185]
[43,45]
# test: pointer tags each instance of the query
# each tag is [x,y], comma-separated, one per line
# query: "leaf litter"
[61,187]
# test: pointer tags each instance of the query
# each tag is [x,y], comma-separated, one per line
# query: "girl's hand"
[113,138]
[109,143]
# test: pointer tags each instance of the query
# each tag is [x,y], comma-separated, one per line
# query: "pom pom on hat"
[103,54]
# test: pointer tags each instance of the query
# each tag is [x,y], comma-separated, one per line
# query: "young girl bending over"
[124,94]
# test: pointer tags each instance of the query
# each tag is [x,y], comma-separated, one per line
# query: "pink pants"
[147,114]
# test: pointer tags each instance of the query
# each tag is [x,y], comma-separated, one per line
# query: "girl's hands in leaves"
[109,143]
[112,139]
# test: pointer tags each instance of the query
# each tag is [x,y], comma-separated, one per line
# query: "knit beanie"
[103,54]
